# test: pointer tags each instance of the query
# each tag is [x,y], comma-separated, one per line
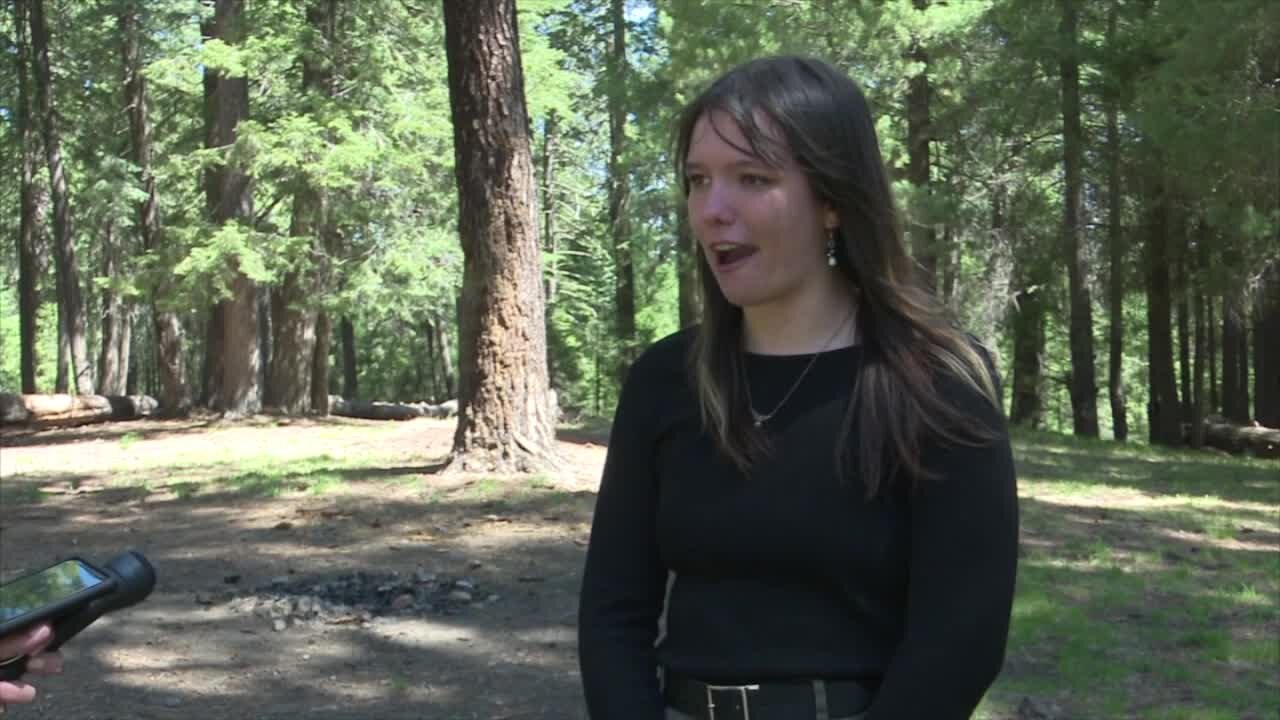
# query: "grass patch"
[1147,586]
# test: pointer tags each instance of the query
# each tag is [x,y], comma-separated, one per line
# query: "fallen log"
[1263,442]
[67,410]
[373,410]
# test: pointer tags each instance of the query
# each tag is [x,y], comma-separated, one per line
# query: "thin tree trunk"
[1182,315]
[1116,250]
[229,196]
[1232,320]
[175,395]
[1198,362]
[62,381]
[620,191]
[1242,354]
[70,299]
[924,239]
[350,373]
[505,420]
[1084,392]
[29,230]
[1162,409]
[686,271]
[1267,342]
[1211,339]
[550,146]
[111,373]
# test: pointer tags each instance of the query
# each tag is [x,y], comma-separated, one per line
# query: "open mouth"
[726,256]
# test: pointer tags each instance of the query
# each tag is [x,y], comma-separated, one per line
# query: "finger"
[25,642]
[16,692]
[46,663]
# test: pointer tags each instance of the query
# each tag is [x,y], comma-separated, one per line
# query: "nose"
[711,204]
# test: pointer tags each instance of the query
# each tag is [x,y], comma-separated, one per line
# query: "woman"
[813,489]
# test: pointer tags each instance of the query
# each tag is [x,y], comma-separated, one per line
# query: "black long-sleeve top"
[787,572]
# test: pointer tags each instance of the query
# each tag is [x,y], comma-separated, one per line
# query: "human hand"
[31,643]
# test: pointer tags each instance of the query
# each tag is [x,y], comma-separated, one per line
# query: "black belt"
[766,701]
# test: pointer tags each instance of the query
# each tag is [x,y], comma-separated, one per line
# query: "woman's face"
[761,227]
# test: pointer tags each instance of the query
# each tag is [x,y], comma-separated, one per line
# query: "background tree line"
[248,204]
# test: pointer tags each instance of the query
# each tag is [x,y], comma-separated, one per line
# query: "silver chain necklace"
[759,418]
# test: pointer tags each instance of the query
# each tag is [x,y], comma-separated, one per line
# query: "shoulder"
[665,360]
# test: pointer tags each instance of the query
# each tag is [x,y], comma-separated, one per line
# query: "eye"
[754,180]
[696,180]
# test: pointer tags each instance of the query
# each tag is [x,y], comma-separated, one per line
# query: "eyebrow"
[744,162]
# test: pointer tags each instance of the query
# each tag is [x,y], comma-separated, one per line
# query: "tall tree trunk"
[350,373]
[550,146]
[175,394]
[229,197]
[1266,340]
[1032,274]
[505,420]
[29,215]
[1211,339]
[70,300]
[320,364]
[1233,404]
[686,271]
[1196,418]
[924,239]
[620,190]
[112,369]
[1116,250]
[1084,391]
[1162,409]
[1242,354]
[1182,314]
[293,311]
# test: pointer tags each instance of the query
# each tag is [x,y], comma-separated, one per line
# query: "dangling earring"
[831,247]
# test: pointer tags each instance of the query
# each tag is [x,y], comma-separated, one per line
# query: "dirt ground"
[197,648]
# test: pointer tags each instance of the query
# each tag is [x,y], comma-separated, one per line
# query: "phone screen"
[51,585]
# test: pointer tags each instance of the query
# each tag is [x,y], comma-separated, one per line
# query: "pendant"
[758,418]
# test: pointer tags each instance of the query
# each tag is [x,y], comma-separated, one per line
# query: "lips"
[729,255]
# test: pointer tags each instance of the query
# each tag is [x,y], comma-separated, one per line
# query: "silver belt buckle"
[742,691]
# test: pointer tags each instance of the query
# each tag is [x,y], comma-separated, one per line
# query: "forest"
[263,205]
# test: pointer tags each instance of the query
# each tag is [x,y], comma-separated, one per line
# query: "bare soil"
[196,648]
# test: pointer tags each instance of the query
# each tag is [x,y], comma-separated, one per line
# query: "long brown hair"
[909,343]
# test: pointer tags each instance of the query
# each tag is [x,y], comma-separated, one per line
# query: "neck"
[809,324]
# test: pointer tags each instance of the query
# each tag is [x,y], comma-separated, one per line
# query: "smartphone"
[51,593]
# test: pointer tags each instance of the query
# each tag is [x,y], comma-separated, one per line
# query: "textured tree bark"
[175,393]
[1084,390]
[70,299]
[229,196]
[505,422]
[29,204]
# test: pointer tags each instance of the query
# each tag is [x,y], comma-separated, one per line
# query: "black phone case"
[57,609]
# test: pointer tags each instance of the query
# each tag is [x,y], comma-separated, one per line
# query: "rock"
[460,596]
[279,624]
[475,565]
[465,584]
[402,601]
[492,599]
